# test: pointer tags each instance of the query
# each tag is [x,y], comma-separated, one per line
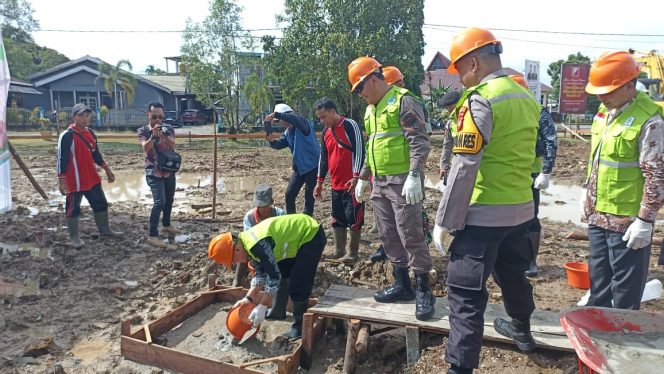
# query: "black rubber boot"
[74,239]
[378,256]
[295,331]
[101,219]
[401,289]
[534,241]
[519,331]
[424,301]
[459,370]
[278,310]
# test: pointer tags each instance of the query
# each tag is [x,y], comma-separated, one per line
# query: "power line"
[554,32]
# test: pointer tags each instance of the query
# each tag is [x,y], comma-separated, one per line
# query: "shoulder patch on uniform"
[391,100]
[629,121]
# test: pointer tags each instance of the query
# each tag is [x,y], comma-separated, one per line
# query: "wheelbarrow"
[615,340]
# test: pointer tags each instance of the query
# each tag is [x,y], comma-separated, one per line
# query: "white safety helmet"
[282,108]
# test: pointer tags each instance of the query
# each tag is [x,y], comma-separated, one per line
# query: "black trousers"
[95,197]
[616,272]
[475,253]
[163,192]
[301,270]
[295,185]
[346,211]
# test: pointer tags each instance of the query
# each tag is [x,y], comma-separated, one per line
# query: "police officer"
[397,149]
[282,247]
[625,182]
[545,152]
[487,202]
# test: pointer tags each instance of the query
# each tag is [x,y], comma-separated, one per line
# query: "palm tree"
[258,93]
[116,75]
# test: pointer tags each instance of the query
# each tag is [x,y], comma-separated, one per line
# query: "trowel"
[248,334]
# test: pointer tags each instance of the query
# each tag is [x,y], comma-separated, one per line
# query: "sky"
[580,26]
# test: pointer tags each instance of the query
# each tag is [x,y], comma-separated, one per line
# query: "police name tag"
[628,122]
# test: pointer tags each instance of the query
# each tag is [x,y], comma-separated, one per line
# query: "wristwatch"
[414,173]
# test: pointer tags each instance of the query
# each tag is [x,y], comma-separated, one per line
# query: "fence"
[19,119]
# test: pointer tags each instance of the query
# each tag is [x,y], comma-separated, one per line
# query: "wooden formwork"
[358,308]
[140,346]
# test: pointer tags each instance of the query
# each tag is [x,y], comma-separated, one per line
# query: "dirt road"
[71,302]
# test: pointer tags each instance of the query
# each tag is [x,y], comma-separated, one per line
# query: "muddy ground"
[72,301]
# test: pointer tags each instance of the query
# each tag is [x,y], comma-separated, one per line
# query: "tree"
[17,20]
[212,57]
[323,36]
[115,75]
[554,72]
[258,94]
[152,70]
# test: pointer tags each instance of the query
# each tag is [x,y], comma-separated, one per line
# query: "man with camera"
[156,137]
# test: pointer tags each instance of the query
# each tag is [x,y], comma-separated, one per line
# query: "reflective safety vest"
[388,151]
[619,178]
[289,233]
[504,176]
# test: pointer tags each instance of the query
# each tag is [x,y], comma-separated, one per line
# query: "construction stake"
[25,169]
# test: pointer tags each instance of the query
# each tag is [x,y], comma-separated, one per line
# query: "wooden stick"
[212,281]
[350,358]
[25,169]
[581,235]
[381,330]
[573,132]
[363,338]
[263,361]
[308,340]
[125,327]
[222,290]
[214,170]
[148,336]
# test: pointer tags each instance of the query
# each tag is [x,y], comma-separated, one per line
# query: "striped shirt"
[342,153]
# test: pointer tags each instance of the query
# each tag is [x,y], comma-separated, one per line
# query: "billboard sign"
[573,80]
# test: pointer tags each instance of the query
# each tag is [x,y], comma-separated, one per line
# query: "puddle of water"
[91,350]
[559,202]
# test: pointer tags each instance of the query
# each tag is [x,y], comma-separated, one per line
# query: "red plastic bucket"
[237,320]
[577,275]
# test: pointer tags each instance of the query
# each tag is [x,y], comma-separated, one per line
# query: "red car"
[193,117]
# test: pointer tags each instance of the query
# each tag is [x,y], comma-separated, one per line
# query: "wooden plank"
[350,357]
[307,340]
[176,316]
[314,334]
[212,281]
[349,302]
[412,344]
[171,359]
[363,338]
[148,336]
[262,361]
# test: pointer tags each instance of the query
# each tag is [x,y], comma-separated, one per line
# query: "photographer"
[156,136]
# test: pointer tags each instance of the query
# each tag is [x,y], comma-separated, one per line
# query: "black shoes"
[401,289]
[519,331]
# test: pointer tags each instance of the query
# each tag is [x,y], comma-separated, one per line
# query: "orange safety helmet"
[220,249]
[610,71]
[469,40]
[392,74]
[361,68]
[520,80]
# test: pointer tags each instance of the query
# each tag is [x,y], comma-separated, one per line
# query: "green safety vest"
[388,151]
[289,233]
[619,178]
[504,176]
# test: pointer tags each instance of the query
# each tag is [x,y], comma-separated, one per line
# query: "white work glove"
[360,189]
[412,190]
[542,181]
[638,234]
[242,301]
[582,201]
[439,234]
[258,314]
